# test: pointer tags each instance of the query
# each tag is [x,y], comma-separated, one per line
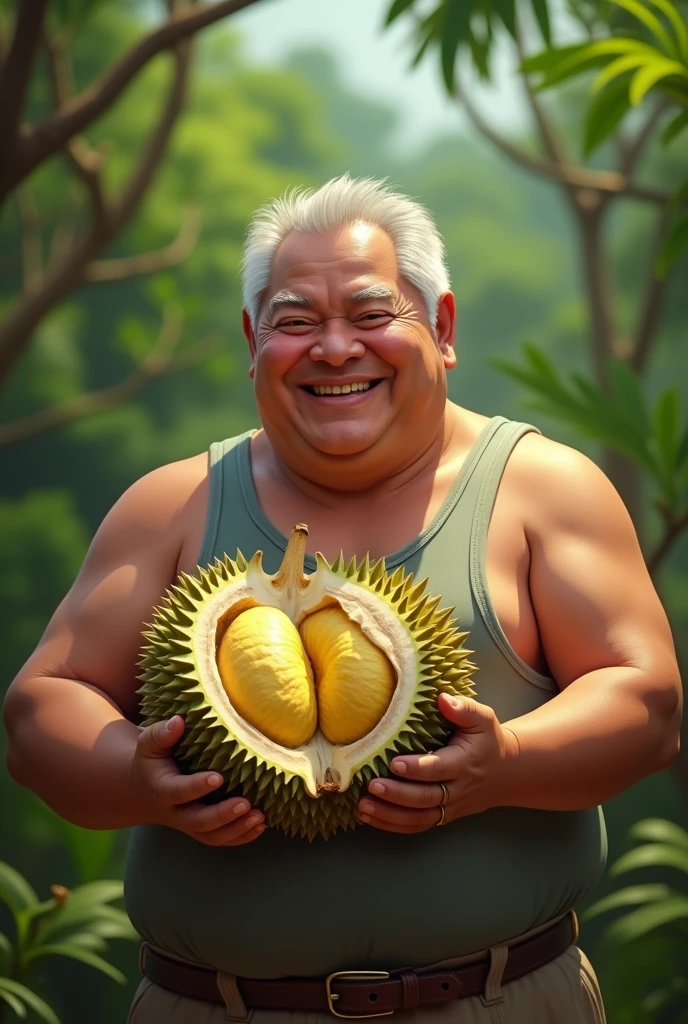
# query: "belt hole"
[444,986]
[372,996]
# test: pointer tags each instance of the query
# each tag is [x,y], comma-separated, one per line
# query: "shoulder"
[562,488]
[155,505]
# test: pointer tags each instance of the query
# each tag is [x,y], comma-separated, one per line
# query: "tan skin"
[565,571]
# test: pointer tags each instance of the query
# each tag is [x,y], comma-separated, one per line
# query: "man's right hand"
[174,797]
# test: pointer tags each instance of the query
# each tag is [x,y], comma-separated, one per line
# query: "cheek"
[275,357]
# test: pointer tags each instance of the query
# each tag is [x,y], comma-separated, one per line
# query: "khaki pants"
[564,991]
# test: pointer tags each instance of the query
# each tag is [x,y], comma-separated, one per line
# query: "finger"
[158,739]
[410,794]
[376,812]
[201,819]
[173,788]
[232,835]
[443,765]
[388,826]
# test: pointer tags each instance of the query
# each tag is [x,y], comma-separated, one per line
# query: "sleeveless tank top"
[369,899]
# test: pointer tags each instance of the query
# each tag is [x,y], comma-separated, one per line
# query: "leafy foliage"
[657,906]
[654,57]
[652,438]
[77,925]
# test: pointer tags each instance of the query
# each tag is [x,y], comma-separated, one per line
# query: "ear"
[251,339]
[445,329]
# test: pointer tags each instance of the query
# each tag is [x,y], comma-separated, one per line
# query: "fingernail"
[254,821]
[260,828]
[365,818]
[399,766]
[376,787]
[239,808]
[214,780]
[170,725]
[367,808]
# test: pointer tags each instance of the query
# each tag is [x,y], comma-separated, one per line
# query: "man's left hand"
[474,768]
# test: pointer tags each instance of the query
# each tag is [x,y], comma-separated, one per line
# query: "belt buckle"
[331,996]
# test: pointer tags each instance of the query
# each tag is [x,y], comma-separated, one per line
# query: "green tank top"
[365,898]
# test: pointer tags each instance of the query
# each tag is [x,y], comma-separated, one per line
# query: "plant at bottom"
[73,923]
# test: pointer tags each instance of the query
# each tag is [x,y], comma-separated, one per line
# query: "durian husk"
[289,794]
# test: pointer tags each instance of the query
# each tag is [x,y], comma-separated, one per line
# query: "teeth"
[345,389]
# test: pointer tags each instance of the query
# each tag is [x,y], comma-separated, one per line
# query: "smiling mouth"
[320,391]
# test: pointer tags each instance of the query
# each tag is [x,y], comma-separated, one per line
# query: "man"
[350,323]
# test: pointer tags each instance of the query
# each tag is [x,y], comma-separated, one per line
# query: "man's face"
[343,358]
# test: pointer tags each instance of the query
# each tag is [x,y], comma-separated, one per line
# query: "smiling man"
[460,885]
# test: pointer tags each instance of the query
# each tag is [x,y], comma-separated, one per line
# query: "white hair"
[420,251]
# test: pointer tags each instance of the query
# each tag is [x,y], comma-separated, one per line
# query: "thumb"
[156,740]
[466,712]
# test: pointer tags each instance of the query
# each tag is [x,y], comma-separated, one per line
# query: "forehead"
[334,258]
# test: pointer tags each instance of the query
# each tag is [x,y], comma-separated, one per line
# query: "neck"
[369,483]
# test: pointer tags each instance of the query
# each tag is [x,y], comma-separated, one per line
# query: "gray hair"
[420,251]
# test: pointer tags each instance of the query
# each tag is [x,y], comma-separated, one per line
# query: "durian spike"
[290,576]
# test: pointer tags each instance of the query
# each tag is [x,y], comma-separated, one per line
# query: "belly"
[364,899]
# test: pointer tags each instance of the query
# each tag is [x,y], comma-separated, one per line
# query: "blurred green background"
[284,95]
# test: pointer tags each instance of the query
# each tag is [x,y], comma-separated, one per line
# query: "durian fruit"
[299,689]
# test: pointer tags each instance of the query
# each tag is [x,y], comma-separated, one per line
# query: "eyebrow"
[286,298]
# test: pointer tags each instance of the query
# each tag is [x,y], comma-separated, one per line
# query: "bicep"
[594,600]
[94,637]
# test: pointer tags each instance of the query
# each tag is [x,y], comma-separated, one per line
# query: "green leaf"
[646,77]
[585,55]
[652,855]
[76,953]
[80,917]
[646,919]
[674,245]
[30,998]
[455,29]
[672,15]
[15,891]
[604,114]
[506,10]
[6,955]
[629,391]
[627,897]
[541,12]
[14,1003]
[666,428]
[617,67]
[675,127]
[396,9]
[659,830]
[650,21]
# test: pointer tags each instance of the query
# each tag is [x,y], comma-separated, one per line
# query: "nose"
[336,342]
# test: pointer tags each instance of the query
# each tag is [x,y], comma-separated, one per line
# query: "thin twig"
[161,362]
[38,142]
[634,147]
[149,262]
[553,145]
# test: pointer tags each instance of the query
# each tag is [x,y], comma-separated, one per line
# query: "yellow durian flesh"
[354,678]
[268,677]
[312,789]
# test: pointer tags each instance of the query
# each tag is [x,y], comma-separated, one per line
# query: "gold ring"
[441,821]
[445,794]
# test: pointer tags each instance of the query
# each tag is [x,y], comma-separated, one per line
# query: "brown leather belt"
[362,993]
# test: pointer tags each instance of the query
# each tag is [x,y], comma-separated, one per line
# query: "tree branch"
[32,257]
[15,76]
[39,142]
[651,306]
[553,145]
[84,161]
[634,148]
[674,525]
[69,274]
[604,182]
[149,262]
[160,362]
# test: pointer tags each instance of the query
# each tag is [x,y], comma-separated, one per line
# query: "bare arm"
[69,713]
[607,641]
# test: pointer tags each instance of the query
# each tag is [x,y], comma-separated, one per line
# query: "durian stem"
[290,577]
